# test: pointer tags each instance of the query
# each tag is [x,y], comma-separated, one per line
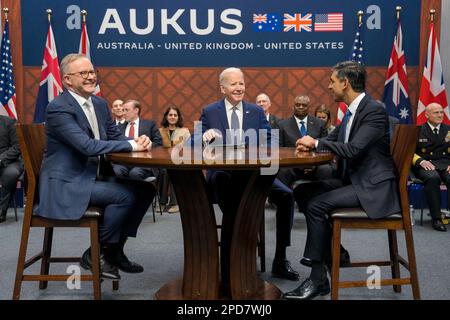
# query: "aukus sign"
[202,33]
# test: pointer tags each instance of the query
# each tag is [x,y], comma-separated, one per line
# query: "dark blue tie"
[235,125]
[341,138]
[302,128]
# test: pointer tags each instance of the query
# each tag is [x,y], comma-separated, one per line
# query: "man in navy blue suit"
[217,119]
[133,128]
[80,130]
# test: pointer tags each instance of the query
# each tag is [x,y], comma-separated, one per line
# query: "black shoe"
[438,225]
[308,290]
[3,216]
[344,259]
[121,261]
[107,271]
[282,269]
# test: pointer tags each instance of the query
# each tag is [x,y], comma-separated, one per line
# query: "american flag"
[355,55]
[85,48]
[432,88]
[326,22]
[395,95]
[267,22]
[297,22]
[50,85]
[7,87]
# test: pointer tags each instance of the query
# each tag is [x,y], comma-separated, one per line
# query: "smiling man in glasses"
[79,130]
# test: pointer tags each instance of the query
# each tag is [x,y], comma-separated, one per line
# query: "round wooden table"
[201,278]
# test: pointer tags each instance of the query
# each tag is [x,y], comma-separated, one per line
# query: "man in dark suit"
[431,163]
[216,120]
[11,165]
[79,130]
[117,112]
[368,180]
[292,129]
[264,102]
[133,128]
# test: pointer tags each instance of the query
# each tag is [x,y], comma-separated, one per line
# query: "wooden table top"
[211,158]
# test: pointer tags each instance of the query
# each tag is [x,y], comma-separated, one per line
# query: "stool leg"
[15,207]
[335,258]
[21,260]
[393,253]
[46,253]
[95,258]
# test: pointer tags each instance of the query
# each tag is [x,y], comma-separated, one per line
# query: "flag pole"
[6,11]
[398,9]
[49,15]
[432,13]
[84,14]
[360,13]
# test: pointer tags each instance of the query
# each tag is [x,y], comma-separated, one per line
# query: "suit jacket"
[289,132]
[214,116]
[393,121]
[180,135]
[434,148]
[273,121]
[9,144]
[147,127]
[70,163]
[370,165]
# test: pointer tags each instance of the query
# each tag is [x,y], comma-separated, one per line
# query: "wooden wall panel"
[192,88]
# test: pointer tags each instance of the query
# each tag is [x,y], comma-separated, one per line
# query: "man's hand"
[427,165]
[143,143]
[305,143]
[211,134]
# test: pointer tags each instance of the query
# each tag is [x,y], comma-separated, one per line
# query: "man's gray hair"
[71,57]
[228,70]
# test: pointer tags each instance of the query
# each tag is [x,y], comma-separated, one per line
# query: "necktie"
[341,138]
[302,128]
[92,118]
[435,130]
[235,126]
[131,132]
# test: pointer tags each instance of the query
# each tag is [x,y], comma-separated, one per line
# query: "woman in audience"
[324,114]
[172,133]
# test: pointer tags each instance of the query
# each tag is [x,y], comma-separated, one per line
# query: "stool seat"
[358,213]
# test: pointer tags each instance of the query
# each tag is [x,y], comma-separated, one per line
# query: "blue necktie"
[341,138]
[302,128]
[235,124]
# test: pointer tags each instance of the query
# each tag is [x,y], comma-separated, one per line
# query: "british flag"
[50,85]
[396,97]
[7,88]
[85,48]
[260,18]
[297,22]
[432,88]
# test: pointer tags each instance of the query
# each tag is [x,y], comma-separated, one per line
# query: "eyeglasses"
[84,74]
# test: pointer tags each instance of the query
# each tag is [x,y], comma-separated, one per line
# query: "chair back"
[32,146]
[403,147]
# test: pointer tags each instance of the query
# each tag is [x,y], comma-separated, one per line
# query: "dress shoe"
[3,216]
[107,271]
[121,261]
[282,269]
[309,289]
[438,225]
[344,259]
[173,209]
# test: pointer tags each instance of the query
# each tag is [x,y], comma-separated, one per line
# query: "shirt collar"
[305,119]
[432,127]
[355,103]
[229,106]
[81,100]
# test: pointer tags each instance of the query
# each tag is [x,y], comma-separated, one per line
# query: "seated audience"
[79,130]
[324,114]
[431,163]
[133,128]
[11,165]
[264,102]
[172,133]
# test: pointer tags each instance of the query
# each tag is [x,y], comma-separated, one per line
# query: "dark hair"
[136,104]
[164,121]
[354,72]
[323,109]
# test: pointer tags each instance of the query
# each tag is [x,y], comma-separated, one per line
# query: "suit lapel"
[355,123]
[82,120]
[223,117]
[311,130]
[293,127]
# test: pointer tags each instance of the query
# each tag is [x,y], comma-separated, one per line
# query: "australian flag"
[7,88]
[50,85]
[395,95]
[267,22]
